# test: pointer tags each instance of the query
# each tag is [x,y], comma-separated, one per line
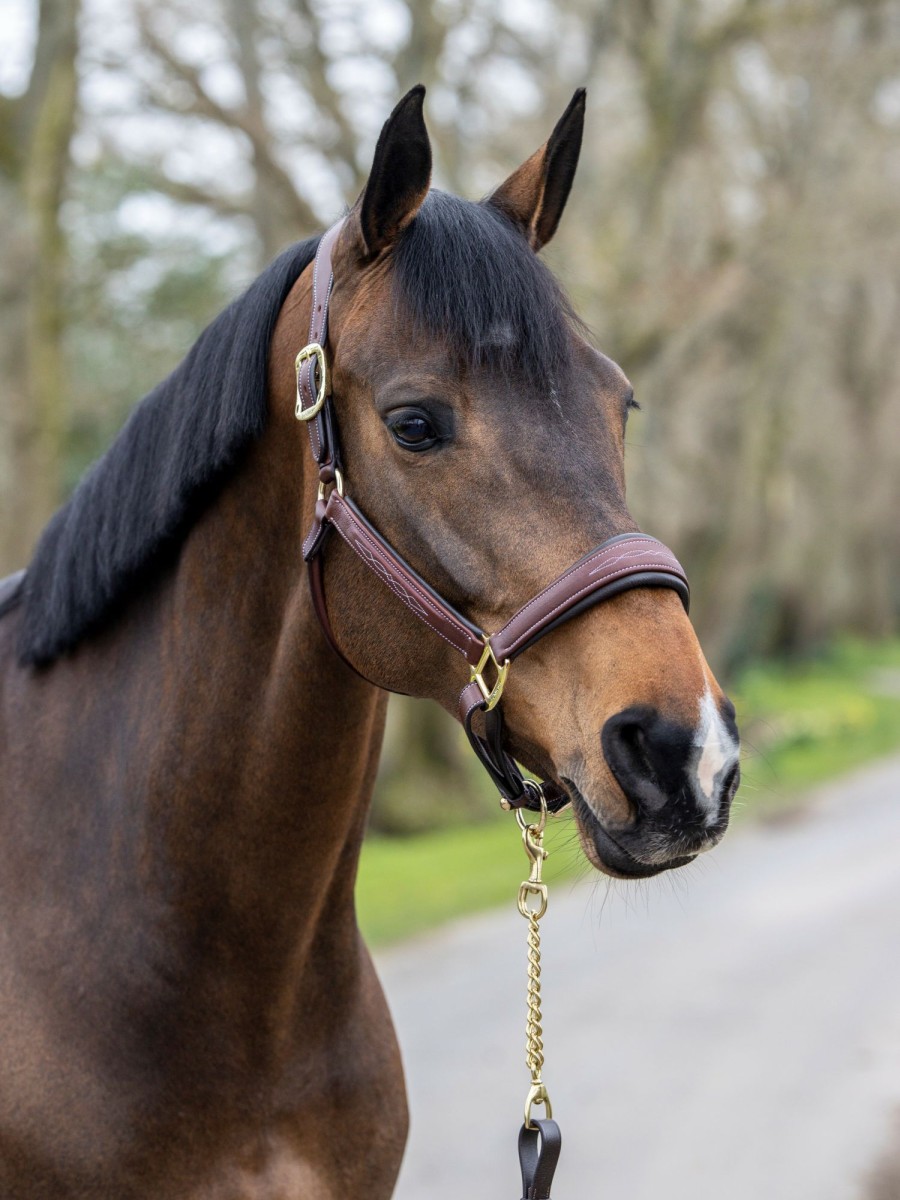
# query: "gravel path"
[728,1032]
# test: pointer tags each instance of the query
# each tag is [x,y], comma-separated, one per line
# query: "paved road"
[729,1032]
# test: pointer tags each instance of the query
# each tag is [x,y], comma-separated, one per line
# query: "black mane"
[136,503]
[463,272]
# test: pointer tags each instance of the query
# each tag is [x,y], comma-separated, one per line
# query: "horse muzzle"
[678,783]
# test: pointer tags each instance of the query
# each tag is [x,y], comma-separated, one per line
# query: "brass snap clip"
[533,891]
[537,1095]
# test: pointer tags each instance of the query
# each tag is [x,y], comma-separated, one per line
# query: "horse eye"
[412,430]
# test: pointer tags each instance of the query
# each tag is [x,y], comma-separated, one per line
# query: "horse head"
[484,437]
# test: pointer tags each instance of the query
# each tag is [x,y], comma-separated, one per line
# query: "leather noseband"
[629,560]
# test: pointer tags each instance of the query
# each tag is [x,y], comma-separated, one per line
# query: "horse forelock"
[465,274]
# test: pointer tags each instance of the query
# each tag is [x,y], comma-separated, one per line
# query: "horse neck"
[265,745]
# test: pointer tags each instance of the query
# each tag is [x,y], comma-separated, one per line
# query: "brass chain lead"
[532,904]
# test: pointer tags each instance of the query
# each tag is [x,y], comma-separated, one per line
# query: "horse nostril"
[633,747]
[638,758]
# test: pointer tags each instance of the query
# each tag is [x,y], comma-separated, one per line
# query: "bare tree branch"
[203,105]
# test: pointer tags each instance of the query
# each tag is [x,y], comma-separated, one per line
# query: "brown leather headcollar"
[627,561]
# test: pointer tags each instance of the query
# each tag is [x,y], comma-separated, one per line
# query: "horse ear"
[535,195]
[400,175]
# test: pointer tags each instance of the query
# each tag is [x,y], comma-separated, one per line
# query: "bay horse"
[187,1009]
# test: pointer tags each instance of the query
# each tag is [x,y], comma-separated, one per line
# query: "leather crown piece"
[627,561]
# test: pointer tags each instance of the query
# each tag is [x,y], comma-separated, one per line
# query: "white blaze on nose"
[717,751]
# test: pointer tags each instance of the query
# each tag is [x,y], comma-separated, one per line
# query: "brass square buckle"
[491,694]
[313,350]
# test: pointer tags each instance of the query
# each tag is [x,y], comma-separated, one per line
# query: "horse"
[187,1008]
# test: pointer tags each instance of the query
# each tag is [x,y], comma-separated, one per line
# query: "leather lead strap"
[626,561]
[539,1149]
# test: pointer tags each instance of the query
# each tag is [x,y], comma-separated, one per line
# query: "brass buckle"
[313,350]
[491,694]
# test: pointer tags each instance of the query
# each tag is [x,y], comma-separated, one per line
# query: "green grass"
[407,885]
[802,723]
[805,723]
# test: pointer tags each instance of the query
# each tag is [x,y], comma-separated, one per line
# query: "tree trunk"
[32,348]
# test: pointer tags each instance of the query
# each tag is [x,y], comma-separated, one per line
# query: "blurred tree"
[34,161]
[428,777]
[743,164]
[293,95]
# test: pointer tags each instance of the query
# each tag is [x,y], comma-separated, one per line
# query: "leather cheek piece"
[421,599]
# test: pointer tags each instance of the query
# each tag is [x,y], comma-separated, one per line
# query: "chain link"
[532,905]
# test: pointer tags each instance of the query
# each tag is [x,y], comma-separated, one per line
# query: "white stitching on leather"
[637,540]
[574,596]
[605,566]
[384,575]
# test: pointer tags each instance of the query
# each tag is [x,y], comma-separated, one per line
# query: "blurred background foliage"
[731,240]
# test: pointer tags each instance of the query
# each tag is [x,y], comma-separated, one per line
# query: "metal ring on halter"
[537,792]
[491,694]
[338,484]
